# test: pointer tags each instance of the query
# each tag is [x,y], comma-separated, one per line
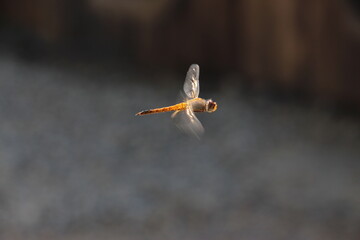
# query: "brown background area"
[311,47]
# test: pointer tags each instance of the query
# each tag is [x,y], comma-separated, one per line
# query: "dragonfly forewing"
[192,85]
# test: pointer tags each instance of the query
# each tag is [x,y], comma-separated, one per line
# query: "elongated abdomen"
[176,107]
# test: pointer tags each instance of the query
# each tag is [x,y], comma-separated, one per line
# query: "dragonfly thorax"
[202,105]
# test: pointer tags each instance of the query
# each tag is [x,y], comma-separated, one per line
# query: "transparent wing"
[187,122]
[192,85]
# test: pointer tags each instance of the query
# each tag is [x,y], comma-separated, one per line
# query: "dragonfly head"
[210,106]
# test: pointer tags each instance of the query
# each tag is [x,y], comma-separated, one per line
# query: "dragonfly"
[184,112]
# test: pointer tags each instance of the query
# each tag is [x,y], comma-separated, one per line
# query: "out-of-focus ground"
[75,163]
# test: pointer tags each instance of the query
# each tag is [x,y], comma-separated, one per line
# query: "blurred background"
[280,158]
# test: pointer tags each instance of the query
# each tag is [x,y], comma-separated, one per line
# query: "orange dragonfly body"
[183,115]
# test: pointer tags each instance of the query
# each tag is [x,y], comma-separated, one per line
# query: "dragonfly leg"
[174,114]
